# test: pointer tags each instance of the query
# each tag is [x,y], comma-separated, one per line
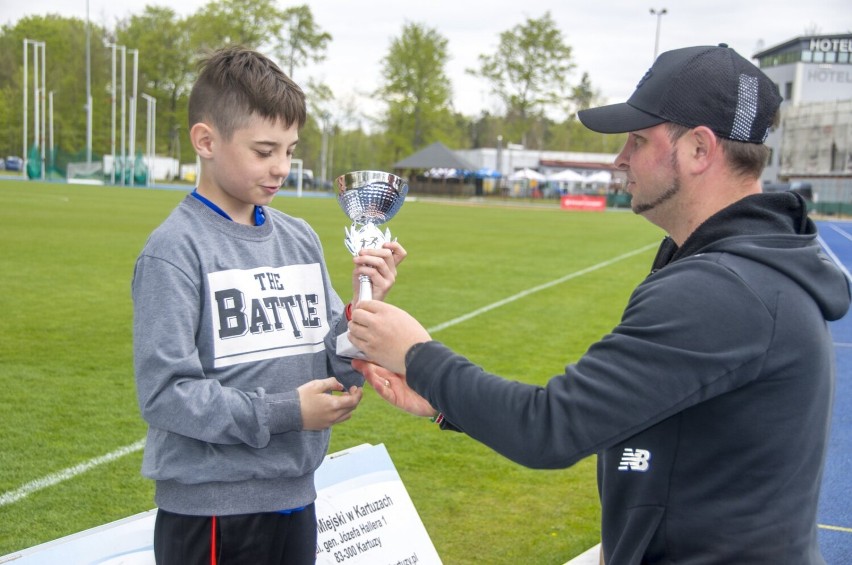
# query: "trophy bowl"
[371,197]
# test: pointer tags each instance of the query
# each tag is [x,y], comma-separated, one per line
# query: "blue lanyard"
[259,216]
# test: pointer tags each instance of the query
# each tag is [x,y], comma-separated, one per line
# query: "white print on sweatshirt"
[266,312]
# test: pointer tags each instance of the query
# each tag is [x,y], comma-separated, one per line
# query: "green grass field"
[66,380]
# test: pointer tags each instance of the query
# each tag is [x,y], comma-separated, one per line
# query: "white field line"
[71,472]
[538,288]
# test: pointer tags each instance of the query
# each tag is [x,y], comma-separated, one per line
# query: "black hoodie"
[708,405]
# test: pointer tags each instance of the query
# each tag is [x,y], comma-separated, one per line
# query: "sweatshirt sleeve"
[338,367]
[687,334]
[174,394]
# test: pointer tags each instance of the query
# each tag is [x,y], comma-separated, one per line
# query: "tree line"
[529,71]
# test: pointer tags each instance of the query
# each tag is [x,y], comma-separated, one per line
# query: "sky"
[612,40]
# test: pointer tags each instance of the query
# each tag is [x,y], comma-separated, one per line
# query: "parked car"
[13,163]
[307,178]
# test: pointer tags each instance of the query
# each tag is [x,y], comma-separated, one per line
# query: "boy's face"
[248,169]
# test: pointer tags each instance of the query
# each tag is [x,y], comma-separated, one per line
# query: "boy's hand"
[321,410]
[380,265]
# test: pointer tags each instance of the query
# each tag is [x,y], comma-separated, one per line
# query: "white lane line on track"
[834,257]
[71,472]
[835,528]
[842,232]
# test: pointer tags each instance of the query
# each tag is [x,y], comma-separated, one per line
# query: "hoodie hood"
[775,230]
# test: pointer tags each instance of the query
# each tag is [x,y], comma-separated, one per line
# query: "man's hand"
[321,410]
[393,388]
[385,333]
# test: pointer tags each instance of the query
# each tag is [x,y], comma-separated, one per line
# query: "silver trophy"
[369,198]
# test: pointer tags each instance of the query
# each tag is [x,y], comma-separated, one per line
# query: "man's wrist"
[409,355]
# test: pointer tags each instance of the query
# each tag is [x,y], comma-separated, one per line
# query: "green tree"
[168,49]
[571,135]
[302,41]
[583,95]
[227,22]
[416,89]
[290,35]
[528,71]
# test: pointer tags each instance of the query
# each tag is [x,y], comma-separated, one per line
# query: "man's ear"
[201,135]
[704,148]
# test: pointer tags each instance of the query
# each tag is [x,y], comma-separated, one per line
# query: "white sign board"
[364,516]
[364,513]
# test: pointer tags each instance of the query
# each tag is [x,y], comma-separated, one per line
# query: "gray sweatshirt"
[228,321]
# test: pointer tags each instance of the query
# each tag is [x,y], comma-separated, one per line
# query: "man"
[708,405]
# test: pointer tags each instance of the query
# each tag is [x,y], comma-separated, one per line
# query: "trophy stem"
[366,291]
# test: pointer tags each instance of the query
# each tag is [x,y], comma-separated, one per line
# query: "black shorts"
[268,538]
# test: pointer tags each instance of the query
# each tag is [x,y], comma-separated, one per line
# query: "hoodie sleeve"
[687,334]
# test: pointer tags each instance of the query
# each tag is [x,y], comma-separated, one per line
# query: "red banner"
[583,202]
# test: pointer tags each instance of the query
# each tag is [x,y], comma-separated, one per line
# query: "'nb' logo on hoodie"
[634,460]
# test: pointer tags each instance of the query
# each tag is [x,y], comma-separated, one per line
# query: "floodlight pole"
[659,14]
[150,135]
[499,156]
[123,49]
[36,106]
[50,129]
[326,128]
[43,108]
[123,111]
[38,117]
[88,88]
[24,150]
[112,104]
[132,151]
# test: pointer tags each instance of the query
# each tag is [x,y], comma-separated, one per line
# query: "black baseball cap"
[710,86]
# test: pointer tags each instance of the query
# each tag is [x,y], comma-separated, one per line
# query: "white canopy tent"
[600,177]
[567,175]
[527,174]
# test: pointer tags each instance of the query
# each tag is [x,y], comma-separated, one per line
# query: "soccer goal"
[85,173]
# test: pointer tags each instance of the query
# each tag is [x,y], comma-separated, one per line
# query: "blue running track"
[835,510]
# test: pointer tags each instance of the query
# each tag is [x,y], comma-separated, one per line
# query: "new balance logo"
[634,460]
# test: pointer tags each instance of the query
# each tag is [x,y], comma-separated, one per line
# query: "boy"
[234,328]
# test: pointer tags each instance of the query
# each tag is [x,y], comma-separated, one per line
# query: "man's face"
[653,180]
[248,169]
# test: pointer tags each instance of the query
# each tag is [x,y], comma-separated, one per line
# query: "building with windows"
[813,142]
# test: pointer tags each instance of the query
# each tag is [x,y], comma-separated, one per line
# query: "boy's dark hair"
[234,83]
